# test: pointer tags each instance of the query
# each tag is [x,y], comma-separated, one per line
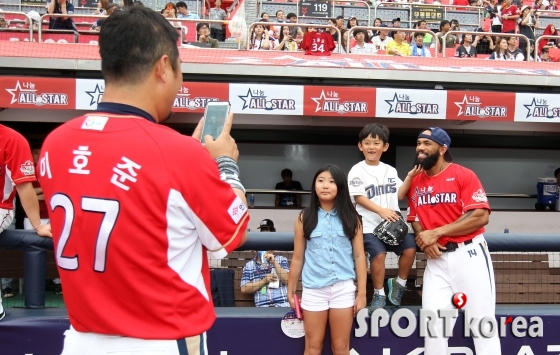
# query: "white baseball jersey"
[380,184]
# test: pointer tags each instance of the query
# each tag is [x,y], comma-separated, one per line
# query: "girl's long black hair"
[345,210]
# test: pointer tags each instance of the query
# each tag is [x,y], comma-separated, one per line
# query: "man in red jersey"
[509,15]
[17,174]
[448,209]
[135,206]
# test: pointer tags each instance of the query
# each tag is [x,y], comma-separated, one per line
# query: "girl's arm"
[361,270]
[403,190]
[297,260]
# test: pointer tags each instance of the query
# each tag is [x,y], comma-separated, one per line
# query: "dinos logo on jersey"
[191,102]
[411,103]
[26,93]
[331,102]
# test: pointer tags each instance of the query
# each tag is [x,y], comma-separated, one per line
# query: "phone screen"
[214,119]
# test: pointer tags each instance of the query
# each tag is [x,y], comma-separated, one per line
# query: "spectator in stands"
[455,25]
[110,10]
[553,6]
[527,23]
[380,42]
[451,39]
[514,52]
[362,43]
[260,38]
[544,57]
[352,22]
[395,23]
[102,6]
[127,3]
[428,38]
[501,50]
[485,44]
[170,12]
[267,225]
[376,23]
[398,45]
[203,32]
[547,43]
[61,7]
[264,16]
[340,23]
[183,11]
[418,49]
[467,49]
[532,57]
[286,41]
[288,200]
[258,275]
[494,12]
[3,23]
[138,3]
[332,31]
[280,16]
[340,46]
[217,29]
[295,31]
[509,15]
[35,20]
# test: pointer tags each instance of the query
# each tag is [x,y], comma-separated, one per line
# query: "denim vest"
[328,253]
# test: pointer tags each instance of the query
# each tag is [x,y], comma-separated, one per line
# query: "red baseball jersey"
[318,43]
[438,200]
[134,207]
[509,25]
[16,164]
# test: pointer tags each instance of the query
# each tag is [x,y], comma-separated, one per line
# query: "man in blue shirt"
[183,12]
[260,278]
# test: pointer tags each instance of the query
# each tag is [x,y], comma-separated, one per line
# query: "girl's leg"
[315,324]
[340,323]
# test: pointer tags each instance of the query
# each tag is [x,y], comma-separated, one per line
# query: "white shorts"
[77,343]
[339,295]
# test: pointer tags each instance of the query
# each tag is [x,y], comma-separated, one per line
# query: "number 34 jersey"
[134,207]
[318,43]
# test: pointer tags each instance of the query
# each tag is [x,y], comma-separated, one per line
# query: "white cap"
[34,15]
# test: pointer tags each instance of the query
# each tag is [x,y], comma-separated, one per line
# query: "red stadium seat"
[88,37]
[20,35]
[57,35]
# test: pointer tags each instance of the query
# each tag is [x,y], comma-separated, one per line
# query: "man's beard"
[427,163]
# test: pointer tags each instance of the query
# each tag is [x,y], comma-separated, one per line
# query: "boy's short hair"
[290,15]
[375,130]
[286,172]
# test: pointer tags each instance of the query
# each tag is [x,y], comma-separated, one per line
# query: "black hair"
[286,172]
[264,13]
[129,56]
[181,4]
[200,24]
[278,12]
[348,23]
[281,38]
[349,218]
[556,172]
[366,37]
[138,3]
[128,3]
[375,130]
[443,23]
[419,34]
[380,20]
[290,15]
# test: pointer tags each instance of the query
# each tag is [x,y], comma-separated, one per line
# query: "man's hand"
[434,251]
[270,278]
[270,258]
[44,230]
[388,214]
[426,238]
[224,145]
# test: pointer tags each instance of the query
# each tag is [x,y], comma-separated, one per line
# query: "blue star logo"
[394,101]
[247,98]
[531,108]
[96,95]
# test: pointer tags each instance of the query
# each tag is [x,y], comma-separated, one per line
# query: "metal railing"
[40,31]
[493,34]
[354,1]
[408,6]
[28,19]
[349,32]
[537,43]
[265,24]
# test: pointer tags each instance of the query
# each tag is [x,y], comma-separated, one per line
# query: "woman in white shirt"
[500,51]
[286,42]
[260,38]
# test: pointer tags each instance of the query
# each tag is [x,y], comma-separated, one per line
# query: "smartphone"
[214,118]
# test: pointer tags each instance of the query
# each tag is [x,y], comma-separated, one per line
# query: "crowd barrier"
[407,30]
[444,38]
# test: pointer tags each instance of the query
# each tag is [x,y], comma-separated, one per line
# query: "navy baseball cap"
[440,137]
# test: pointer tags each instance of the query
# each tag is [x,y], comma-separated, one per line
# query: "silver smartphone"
[214,118]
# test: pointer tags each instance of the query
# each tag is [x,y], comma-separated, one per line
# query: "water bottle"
[252,201]
[506,230]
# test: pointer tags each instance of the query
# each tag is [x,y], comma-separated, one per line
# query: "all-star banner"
[299,100]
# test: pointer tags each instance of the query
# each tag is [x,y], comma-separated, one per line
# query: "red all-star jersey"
[318,43]
[441,199]
[134,207]
[16,164]
[509,25]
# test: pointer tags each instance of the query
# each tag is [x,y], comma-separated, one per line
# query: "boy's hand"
[415,171]
[388,214]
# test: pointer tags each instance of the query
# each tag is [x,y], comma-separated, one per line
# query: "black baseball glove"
[392,233]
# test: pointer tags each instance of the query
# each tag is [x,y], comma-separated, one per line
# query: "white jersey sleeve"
[356,182]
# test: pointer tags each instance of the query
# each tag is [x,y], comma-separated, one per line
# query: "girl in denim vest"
[328,247]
